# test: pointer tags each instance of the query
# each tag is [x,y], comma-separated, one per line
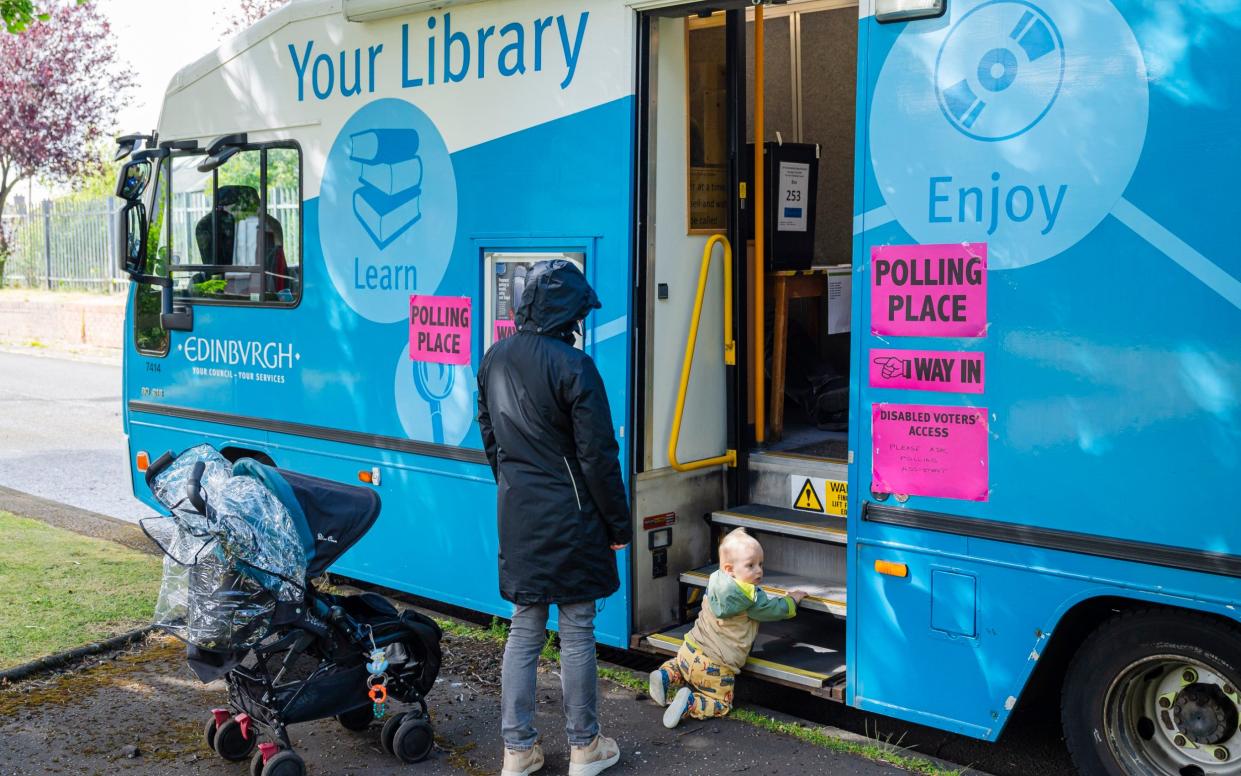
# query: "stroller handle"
[195,488]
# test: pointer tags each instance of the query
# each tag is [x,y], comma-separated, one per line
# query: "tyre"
[358,719]
[286,763]
[256,764]
[413,741]
[1155,693]
[388,733]
[231,744]
[209,733]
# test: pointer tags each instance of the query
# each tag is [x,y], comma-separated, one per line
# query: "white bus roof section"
[292,75]
[295,11]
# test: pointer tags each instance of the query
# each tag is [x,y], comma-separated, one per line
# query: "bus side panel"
[522,159]
[561,185]
[1090,151]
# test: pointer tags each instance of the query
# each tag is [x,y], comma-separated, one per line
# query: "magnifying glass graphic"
[435,383]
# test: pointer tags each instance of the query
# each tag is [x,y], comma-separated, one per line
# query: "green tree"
[18,14]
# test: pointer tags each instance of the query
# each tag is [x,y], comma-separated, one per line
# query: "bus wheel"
[1155,693]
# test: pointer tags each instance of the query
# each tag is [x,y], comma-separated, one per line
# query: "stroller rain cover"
[227,565]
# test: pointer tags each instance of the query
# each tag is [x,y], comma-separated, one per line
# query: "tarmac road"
[61,435]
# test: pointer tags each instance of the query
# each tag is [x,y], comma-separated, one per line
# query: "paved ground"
[60,433]
[83,722]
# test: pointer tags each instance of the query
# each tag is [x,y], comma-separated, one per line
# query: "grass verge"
[62,590]
[871,749]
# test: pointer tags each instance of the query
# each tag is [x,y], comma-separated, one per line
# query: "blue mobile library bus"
[957,338]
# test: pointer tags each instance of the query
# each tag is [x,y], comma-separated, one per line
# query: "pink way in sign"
[929,290]
[440,329]
[947,371]
[926,450]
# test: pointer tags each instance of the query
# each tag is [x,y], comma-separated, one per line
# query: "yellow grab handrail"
[730,353]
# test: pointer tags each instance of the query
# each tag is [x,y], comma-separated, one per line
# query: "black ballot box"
[791,184]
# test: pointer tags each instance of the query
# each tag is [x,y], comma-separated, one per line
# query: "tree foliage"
[60,88]
[18,14]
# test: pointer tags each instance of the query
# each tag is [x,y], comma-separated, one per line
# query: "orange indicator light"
[891,568]
[142,461]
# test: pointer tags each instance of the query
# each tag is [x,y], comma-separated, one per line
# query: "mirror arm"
[173,317]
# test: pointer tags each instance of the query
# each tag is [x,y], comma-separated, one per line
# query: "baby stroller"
[240,545]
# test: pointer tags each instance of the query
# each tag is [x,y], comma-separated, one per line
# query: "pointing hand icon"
[890,366]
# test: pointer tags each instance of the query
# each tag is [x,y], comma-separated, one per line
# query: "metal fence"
[71,244]
[64,244]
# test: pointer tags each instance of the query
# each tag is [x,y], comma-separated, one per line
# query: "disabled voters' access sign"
[440,329]
[929,290]
[924,450]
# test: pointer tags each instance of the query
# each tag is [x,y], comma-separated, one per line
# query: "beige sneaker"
[522,762]
[601,754]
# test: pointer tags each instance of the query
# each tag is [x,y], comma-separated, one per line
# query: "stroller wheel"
[357,720]
[256,764]
[389,731]
[231,744]
[413,741]
[285,763]
[209,734]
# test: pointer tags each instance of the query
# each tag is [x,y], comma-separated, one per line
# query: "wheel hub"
[1204,714]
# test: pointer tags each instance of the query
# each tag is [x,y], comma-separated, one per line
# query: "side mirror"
[132,230]
[133,180]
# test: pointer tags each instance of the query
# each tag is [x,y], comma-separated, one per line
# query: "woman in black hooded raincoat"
[562,507]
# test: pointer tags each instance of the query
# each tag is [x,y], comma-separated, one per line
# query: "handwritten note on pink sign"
[929,290]
[439,329]
[924,450]
[926,370]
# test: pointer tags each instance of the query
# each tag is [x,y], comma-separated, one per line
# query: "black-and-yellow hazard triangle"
[808,499]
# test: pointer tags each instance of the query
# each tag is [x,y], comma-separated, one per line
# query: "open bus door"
[746,422]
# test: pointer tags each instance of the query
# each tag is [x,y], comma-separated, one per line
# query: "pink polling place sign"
[926,450]
[439,329]
[927,370]
[929,290]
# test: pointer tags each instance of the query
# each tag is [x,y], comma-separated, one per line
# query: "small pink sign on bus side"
[440,329]
[927,370]
[929,290]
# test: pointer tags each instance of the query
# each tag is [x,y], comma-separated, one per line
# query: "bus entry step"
[796,652]
[786,522]
[822,595]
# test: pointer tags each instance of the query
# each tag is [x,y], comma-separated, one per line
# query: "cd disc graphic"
[1018,123]
[999,70]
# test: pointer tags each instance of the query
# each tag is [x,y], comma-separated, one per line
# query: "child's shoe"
[596,757]
[522,762]
[676,709]
[659,686]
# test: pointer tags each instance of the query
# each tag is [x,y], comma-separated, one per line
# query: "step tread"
[811,466]
[764,517]
[822,595]
[794,651]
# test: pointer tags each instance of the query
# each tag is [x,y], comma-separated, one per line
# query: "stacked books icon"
[388,202]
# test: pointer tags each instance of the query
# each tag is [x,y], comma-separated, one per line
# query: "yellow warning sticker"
[808,499]
[816,494]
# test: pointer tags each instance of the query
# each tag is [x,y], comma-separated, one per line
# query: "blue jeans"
[578,677]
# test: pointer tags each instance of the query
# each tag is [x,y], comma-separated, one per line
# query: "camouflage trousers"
[711,684]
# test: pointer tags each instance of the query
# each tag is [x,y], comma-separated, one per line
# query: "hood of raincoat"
[555,299]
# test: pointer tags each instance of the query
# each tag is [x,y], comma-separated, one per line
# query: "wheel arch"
[233,452]
[1082,618]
